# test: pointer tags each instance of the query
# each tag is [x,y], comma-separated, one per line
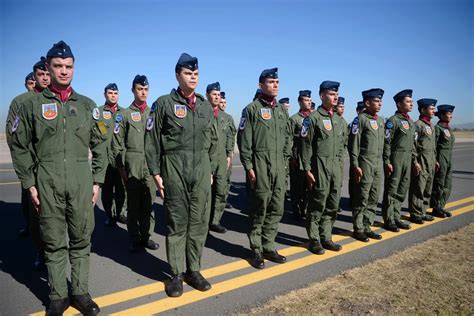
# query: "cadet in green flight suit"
[366,141]
[221,158]
[41,79]
[179,150]
[30,82]
[128,150]
[264,153]
[351,183]
[339,110]
[398,155]
[425,163]
[58,126]
[113,191]
[322,146]
[230,143]
[298,183]
[444,150]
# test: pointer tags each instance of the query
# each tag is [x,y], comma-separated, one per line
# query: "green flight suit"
[399,152]
[113,192]
[178,148]
[59,135]
[223,138]
[265,148]
[298,183]
[322,146]
[442,183]
[230,144]
[345,134]
[128,149]
[421,185]
[366,143]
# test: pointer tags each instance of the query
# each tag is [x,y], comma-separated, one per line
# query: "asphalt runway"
[132,284]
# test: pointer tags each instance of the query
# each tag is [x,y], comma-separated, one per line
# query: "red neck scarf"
[330,111]
[141,107]
[444,124]
[271,101]
[114,107]
[216,111]
[62,93]
[425,119]
[376,117]
[305,113]
[405,115]
[37,90]
[191,100]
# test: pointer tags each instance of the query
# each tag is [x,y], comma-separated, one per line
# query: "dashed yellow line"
[10,183]
[158,287]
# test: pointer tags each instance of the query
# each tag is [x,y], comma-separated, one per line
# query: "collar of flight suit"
[324,112]
[178,98]
[50,95]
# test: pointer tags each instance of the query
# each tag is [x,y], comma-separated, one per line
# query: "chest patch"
[107,115]
[374,125]
[136,116]
[266,113]
[405,124]
[96,113]
[49,111]
[327,125]
[180,110]
[447,133]
[428,130]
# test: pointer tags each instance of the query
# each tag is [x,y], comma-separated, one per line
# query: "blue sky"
[420,44]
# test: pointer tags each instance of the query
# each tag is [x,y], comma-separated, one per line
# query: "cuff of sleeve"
[28,183]
[248,166]
[99,179]
[386,162]
[306,167]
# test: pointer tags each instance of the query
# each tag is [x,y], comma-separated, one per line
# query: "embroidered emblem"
[15,124]
[428,130]
[387,133]
[327,125]
[305,127]
[180,110]
[102,127]
[96,113]
[405,124]
[447,133]
[153,107]
[117,128]
[243,123]
[136,116]
[49,111]
[389,125]
[266,113]
[416,136]
[107,115]
[119,117]
[355,126]
[374,125]
[149,123]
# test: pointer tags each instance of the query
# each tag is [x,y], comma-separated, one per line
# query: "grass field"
[434,277]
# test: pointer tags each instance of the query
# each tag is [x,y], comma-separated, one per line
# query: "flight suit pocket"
[83,133]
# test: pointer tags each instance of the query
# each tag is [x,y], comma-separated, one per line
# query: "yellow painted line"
[9,183]
[157,287]
[258,276]
[7,170]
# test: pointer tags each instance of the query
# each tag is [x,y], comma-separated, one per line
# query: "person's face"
[188,79]
[428,111]
[287,106]
[61,70]
[30,84]
[214,98]
[140,92]
[112,96]
[405,105]
[340,109]
[329,98]
[270,86]
[447,117]
[43,79]
[223,104]
[373,105]
[305,103]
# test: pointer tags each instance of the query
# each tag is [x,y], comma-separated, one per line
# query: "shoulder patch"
[355,126]
[149,123]
[96,113]
[305,127]
[15,124]
[153,107]
[116,128]
[389,125]
[119,118]
[388,133]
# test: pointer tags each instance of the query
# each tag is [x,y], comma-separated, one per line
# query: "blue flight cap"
[222,95]
[257,93]
[305,93]
[340,100]
[284,100]
[187,61]
[329,85]
[402,94]
[372,93]
[424,103]
[213,86]
[360,105]
[313,105]
[268,73]
[61,50]
[41,64]
[111,86]
[141,80]
[30,76]
[443,108]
